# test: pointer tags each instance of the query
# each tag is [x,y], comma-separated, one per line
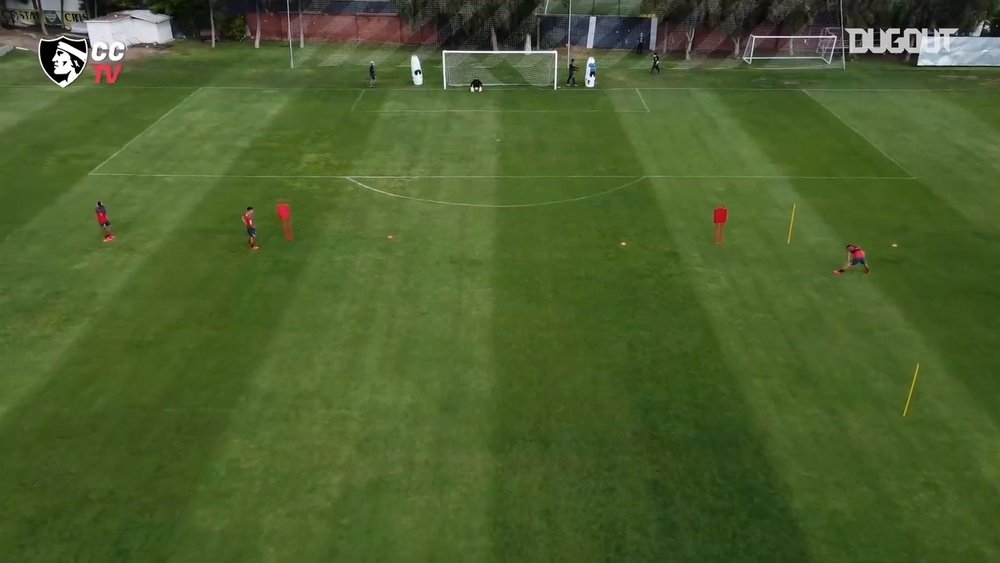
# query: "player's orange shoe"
[837,272]
[254,248]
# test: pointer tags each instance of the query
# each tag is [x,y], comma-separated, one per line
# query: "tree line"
[510,20]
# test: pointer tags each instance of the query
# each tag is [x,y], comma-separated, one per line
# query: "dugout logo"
[897,41]
[63,59]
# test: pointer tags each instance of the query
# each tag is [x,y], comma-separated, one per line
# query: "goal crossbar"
[527,75]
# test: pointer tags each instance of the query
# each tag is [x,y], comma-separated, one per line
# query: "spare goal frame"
[820,53]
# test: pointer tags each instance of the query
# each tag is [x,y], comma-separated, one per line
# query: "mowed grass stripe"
[274,483]
[870,340]
[226,119]
[49,304]
[15,106]
[690,140]
[83,124]
[608,444]
[19,67]
[940,235]
[420,463]
[785,136]
[828,364]
[954,137]
[93,449]
[380,372]
[81,276]
[226,473]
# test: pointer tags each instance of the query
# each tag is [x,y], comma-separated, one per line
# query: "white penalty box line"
[496,110]
[144,131]
[856,132]
[352,177]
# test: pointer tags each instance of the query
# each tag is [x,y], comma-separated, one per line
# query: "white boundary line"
[858,133]
[355,104]
[144,131]
[500,177]
[496,206]
[504,111]
[637,91]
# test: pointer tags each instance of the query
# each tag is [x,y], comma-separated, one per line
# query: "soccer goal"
[795,49]
[500,68]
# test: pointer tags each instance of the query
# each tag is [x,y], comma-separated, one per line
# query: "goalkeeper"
[477,85]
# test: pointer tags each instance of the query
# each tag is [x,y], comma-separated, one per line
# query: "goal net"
[500,68]
[791,48]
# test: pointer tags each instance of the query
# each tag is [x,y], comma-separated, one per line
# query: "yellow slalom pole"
[791,225]
[913,386]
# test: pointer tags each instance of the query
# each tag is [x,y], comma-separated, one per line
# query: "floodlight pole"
[288,14]
[843,45]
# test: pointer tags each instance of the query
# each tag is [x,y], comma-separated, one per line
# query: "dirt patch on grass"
[28,39]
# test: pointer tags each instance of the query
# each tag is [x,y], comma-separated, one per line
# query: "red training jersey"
[102,215]
[248,219]
[720,215]
[857,252]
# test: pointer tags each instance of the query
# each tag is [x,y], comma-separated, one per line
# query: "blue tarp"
[620,33]
[610,32]
[553,30]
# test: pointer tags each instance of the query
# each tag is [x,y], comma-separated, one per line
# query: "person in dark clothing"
[656,64]
[641,46]
[371,74]
[571,80]
[477,85]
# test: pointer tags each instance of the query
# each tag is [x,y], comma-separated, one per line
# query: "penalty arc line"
[144,131]
[496,206]
[858,133]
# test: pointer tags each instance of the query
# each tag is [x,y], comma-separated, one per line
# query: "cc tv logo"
[63,59]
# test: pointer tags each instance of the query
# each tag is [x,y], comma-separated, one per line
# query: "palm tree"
[256,41]
[302,33]
[211,20]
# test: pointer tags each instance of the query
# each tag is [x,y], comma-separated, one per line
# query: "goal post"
[500,68]
[817,48]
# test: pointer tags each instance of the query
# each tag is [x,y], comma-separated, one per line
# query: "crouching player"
[855,257]
[477,85]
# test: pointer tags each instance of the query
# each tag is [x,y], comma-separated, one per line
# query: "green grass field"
[502,380]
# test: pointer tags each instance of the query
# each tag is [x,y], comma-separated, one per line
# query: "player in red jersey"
[104,222]
[855,257]
[251,228]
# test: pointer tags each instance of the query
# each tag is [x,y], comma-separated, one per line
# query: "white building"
[131,27]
